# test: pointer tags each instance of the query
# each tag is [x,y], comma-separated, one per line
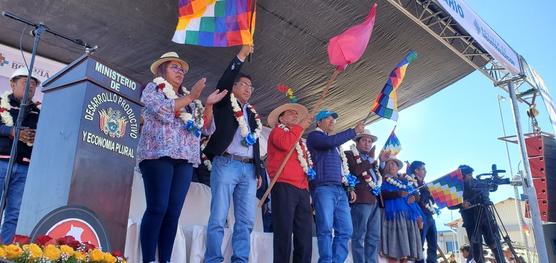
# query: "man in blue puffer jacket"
[329,196]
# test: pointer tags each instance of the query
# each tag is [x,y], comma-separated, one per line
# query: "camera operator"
[476,218]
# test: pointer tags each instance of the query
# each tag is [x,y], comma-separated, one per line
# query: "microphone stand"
[40,28]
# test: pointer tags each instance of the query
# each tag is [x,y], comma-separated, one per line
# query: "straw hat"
[398,162]
[169,56]
[302,112]
[366,132]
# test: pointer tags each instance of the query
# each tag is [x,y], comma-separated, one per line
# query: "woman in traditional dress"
[401,238]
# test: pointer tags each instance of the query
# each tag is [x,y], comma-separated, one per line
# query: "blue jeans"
[231,179]
[332,216]
[166,183]
[366,232]
[429,233]
[13,199]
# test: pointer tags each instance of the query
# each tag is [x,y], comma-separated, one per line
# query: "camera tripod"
[488,215]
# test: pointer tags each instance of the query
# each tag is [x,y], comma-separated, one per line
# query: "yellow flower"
[67,250]
[13,251]
[109,258]
[96,255]
[34,250]
[51,252]
[80,256]
[2,253]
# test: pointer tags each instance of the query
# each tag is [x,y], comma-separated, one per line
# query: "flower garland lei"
[305,161]
[397,183]
[193,123]
[348,179]
[249,138]
[375,187]
[411,180]
[5,108]
[206,161]
[431,208]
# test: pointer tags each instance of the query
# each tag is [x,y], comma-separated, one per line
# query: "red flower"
[177,114]
[2,110]
[88,246]
[74,244]
[65,240]
[117,253]
[21,239]
[43,240]
[160,86]
[238,114]
[282,88]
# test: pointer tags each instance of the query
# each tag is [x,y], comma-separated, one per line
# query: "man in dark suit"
[236,165]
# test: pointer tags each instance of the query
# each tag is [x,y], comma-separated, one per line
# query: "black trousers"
[478,227]
[291,214]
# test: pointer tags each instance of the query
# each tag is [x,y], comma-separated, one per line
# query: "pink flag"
[349,46]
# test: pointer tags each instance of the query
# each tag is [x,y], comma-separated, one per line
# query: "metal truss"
[432,18]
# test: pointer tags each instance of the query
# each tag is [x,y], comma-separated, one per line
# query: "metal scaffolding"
[521,88]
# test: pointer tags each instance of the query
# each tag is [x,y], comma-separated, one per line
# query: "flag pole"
[251,29]
[317,106]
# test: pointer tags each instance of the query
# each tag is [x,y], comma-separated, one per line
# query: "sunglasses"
[177,69]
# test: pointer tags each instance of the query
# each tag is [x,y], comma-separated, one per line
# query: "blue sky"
[461,124]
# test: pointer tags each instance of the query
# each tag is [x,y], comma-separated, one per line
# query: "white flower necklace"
[192,123]
[347,177]
[5,108]
[248,138]
[368,179]
[204,158]
[411,180]
[304,159]
[430,207]
[395,182]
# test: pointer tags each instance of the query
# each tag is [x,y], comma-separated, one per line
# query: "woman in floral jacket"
[174,119]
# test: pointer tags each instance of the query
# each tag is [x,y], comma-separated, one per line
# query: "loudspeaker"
[541,150]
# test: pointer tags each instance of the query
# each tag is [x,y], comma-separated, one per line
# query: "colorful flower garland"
[5,107]
[193,123]
[248,138]
[304,160]
[375,187]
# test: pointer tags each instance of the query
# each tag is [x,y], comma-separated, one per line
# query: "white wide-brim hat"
[366,132]
[301,110]
[169,56]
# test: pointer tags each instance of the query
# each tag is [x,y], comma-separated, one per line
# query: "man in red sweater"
[291,208]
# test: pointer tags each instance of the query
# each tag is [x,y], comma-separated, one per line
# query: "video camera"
[491,182]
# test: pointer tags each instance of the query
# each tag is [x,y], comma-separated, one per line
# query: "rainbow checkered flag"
[392,146]
[215,23]
[386,104]
[447,190]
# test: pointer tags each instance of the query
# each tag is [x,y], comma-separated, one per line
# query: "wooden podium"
[84,152]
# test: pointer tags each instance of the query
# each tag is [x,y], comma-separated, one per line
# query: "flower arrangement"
[62,250]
